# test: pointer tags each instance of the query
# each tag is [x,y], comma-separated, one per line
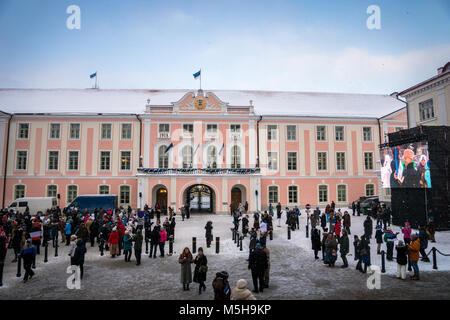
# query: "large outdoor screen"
[406,166]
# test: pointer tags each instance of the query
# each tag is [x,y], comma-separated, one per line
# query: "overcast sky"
[279,45]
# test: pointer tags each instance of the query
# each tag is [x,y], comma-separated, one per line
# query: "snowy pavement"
[294,272]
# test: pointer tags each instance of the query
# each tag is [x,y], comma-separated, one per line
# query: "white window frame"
[365,189]
[371,134]
[269,161]
[420,113]
[272,132]
[78,160]
[364,161]
[346,193]
[28,130]
[24,191]
[296,161]
[335,131]
[70,131]
[120,161]
[50,130]
[51,185]
[345,161]
[326,162]
[213,134]
[317,131]
[100,161]
[17,158]
[104,185]
[131,130]
[163,134]
[288,194]
[67,192]
[318,193]
[48,160]
[268,193]
[101,131]
[187,134]
[295,133]
[120,195]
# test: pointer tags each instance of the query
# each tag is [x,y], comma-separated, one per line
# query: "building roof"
[443,71]
[134,101]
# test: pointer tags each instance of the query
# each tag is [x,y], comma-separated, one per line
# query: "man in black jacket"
[258,264]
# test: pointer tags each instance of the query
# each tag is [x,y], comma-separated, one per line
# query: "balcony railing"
[193,171]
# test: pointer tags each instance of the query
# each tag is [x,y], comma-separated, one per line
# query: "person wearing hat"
[221,286]
[402,260]
[241,292]
[28,253]
[379,238]
[127,246]
[413,250]
[258,264]
[201,268]
[113,240]
[406,230]
[138,239]
[73,245]
[78,256]
[185,259]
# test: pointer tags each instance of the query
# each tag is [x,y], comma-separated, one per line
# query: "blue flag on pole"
[197,74]
[93,75]
[170,146]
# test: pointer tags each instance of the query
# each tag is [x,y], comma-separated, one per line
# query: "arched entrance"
[159,196]
[200,197]
[238,195]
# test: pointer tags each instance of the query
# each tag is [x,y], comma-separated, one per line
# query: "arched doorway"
[238,195]
[200,197]
[159,196]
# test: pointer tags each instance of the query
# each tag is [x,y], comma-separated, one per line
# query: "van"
[34,204]
[92,201]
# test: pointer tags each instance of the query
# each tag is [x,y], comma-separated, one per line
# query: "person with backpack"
[221,286]
[379,238]
[344,248]
[78,257]
[258,264]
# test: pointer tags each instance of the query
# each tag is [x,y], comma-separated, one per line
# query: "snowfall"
[294,273]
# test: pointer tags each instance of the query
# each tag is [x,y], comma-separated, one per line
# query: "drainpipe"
[140,139]
[257,141]
[395,95]
[6,159]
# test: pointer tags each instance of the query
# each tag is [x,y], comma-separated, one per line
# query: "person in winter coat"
[402,260]
[138,239]
[113,241]
[121,231]
[208,233]
[347,222]
[368,226]
[323,221]
[258,264]
[241,292]
[154,241]
[423,243]
[315,241]
[78,257]
[406,230]
[267,271]
[253,241]
[379,238]
[365,253]
[73,245]
[93,231]
[389,238]
[201,268]
[324,239]
[330,250]
[68,231]
[344,248]
[28,253]
[256,220]
[3,251]
[162,241]
[127,245]
[221,286]
[185,260]
[245,222]
[431,229]
[16,241]
[337,229]
[414,249]
[356,246]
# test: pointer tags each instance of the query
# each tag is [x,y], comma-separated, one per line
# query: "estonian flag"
[170,146]
[197,74]
[221,149]
[93,75]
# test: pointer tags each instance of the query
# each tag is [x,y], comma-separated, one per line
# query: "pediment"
[200,101]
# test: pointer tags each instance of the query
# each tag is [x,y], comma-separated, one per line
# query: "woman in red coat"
[337,229]
[114,242]
[162,241]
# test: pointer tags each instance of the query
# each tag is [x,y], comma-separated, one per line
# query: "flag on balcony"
[221,149]
[197,74]
[198,145]
[170,146]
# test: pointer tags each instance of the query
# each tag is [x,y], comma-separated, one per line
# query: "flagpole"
[200,79]
[96,76]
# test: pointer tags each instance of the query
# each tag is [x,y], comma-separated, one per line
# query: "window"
[164,130]
[53,158]
[211,129]
[211,157]
[292,161]
[321,133]
[426,110]
[106,131]
[105,160]
[370,190]
[272,163]
[188,128]
[125,160]
[272,132]
[19,191]
[340,161]
[74,131]
[273,194]
[342,193]
[72,193]
[103,189]
[163,157]
[126,131]
[23,131]
[187,155]
[323,193]
[322,161]
[124,195]
[291,133]
[21,160]
[339,133]
[52,190]
[73,160]
[367,133]
[235,157]
[293,194]
[368,161]
[54,130]
[235,128]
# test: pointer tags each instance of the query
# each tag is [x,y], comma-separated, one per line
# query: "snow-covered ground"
[295,274]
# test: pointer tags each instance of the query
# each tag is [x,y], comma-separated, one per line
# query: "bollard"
[34,262]
[234,236]
[146,246]
[171,246]
[46,252]
[289,233]
[232,233]
[237,239]
[56,248]
[102,245]
[409,264]
[271,235]
[383,262]
[240,243]
[217,244]
[434,259]
[307,231]
[194,244]
[19,266]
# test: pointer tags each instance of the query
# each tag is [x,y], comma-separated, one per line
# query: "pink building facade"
[202,149]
